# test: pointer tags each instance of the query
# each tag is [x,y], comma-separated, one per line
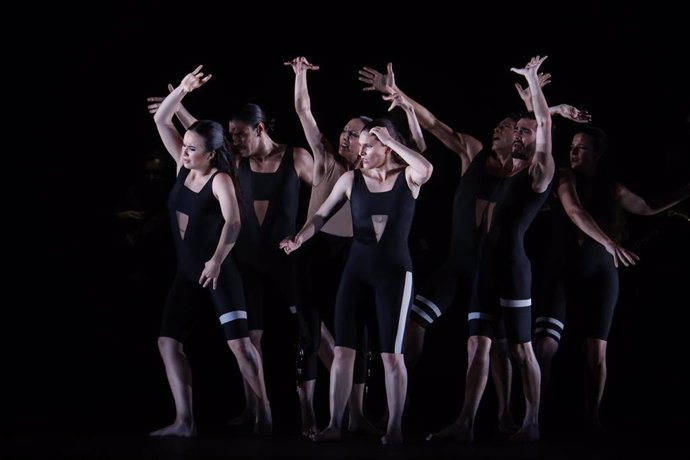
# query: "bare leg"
[180,380]
[478,350]
[249,414]
[306,399]
[358,422]
[251,367]
[340,388]
[545,348]
[413,345]
[595,381]
[326,347]
[531,383]
[396,391]
[502,373]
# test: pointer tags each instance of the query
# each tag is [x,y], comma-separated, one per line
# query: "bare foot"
[330,434]
[527,433]
[392,438]
[247,416]
[506,424]
[179,429]
[454,432]
[362,425]
[263,425]
[309,426]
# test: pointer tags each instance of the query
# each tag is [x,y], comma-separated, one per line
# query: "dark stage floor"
[612,446]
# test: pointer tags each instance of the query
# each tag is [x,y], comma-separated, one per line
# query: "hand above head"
[378,81]
[156,101]
[382,134]
[397,100]
[532,66]
[525,94]
[300,64]
[573,113]
[194,80]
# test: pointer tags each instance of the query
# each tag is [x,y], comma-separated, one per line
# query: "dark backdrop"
[83,315]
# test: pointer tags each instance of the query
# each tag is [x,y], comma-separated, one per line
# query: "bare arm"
[638,205]
[567,193]
[336,199]
[304,165]
[564,110]
[398,99]
[542,166]
[163,118]
[464,145]
[186,118]
[419,169]
[320,147]
[224,191]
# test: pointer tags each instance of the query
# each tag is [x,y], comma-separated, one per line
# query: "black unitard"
[377,270]
[504,276]
[439,291]
[580,272]
[258,254]
[204,226]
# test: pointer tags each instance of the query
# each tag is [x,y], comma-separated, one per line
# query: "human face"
[524,138]
[348,144]
[244,139]
[503,135]
[372,152]
[583,156]
[194,153]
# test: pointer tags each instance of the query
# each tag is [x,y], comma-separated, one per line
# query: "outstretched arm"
[638,205]
[169,135]
[464,145]
[542,166]
[336,199]
[567,193]
[320,147]
[224,191]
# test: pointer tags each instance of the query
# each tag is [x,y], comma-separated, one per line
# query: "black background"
[81,353]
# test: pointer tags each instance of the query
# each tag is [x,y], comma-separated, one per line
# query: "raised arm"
[336,199]
[182,114]
[567,193]
[169,135]
[398,99]
[320,147]
[419,169]
[647,207]
[224,191]
[542,166]
[464,145]
[567,111]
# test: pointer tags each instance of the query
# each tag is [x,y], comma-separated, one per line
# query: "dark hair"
[216,139]
[252,115]
[392,130]
[605,206]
